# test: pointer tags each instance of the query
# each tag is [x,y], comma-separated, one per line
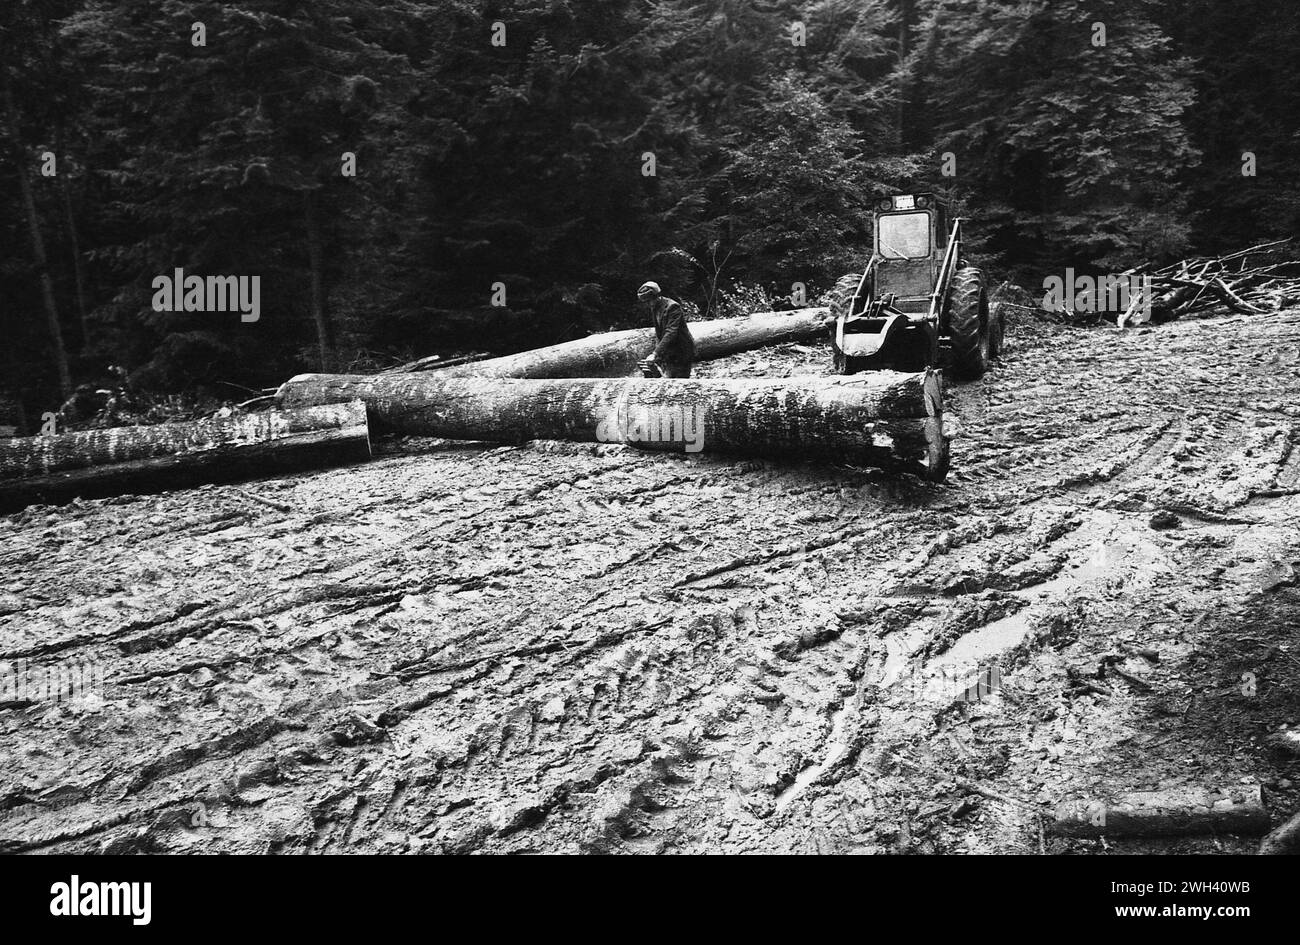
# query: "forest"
[404,178]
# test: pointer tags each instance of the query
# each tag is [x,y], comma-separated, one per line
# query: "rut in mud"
[572,648]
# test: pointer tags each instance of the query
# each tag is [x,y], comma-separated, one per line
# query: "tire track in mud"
[1288,473]
[647,652]
[1138,464]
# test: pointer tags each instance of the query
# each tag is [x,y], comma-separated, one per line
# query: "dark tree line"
[558,152]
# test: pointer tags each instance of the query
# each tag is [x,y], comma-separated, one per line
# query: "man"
[675,349]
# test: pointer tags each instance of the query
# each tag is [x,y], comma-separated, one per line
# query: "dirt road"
[575,648]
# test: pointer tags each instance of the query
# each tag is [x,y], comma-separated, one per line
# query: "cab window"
[903,235]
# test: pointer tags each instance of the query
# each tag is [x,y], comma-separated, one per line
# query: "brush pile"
[1254,281]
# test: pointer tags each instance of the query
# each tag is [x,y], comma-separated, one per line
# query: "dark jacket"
[676,345]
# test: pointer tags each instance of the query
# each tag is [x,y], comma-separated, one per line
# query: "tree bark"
[170,455]
[74,239]
[877,419]
[615,353]
[38,251]
[316,262]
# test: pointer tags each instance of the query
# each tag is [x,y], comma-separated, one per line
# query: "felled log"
[434,361]
[170,455]
[1175,812]
[877,419]
[615,353]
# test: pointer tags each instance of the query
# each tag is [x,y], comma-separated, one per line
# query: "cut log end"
[937,457]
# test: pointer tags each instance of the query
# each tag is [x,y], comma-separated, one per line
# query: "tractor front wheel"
[968,325]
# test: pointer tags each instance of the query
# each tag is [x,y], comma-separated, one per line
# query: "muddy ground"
[570,648]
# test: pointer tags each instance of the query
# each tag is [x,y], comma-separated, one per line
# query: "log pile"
[93,463]
[560,392]
[883,419]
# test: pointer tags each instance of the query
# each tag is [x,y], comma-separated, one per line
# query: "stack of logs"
[561,392]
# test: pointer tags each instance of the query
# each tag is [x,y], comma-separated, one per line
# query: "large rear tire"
[968,325]
[841,294]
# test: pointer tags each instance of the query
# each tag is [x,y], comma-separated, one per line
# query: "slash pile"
[1254,281]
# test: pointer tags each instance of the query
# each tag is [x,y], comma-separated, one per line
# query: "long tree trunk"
[878,419]
[1174,812]
[315,260]
[170,455]
[74,240]
[615,353]
[9,385]
[60,354]
[906,91]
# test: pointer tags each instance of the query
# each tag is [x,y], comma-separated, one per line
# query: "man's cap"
[647,288]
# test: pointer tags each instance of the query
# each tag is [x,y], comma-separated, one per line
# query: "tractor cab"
[918,302]
[910,237]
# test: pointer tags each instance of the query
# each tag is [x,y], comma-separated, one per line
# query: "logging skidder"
[616,353]
[171,455]
[885,419]
[919,304]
